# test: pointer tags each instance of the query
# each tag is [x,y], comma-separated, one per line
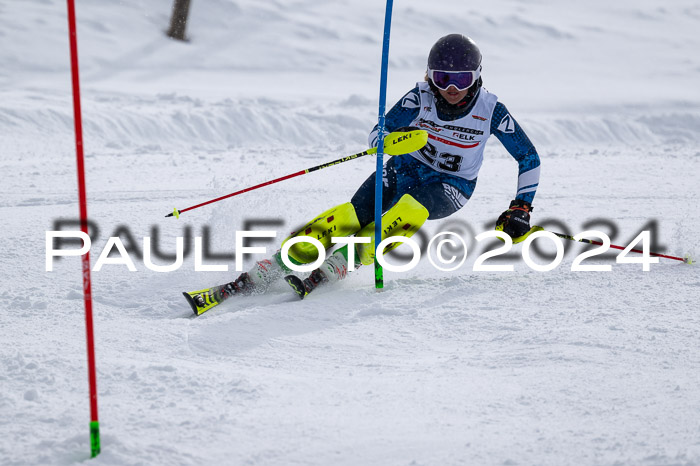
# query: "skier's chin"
[453,98]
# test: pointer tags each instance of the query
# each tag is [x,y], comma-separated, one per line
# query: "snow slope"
[457,367]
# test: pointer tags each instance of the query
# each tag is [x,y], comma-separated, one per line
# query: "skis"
[202,300]
[303,287]
[297,285]
[261,276]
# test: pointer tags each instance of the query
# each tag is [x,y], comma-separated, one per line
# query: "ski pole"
[82,202]
[395,143]
[687,259]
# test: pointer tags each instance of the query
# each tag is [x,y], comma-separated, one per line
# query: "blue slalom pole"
[378,270]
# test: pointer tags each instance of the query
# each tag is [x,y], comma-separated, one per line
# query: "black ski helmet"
[454,52]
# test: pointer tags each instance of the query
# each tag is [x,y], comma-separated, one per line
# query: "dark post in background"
[178,22]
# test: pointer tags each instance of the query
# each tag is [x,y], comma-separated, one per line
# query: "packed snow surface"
[460,367]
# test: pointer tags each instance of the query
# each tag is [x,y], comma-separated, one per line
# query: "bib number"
[443,160]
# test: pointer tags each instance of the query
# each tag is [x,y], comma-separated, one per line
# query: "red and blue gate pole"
[378,270]
[87,293]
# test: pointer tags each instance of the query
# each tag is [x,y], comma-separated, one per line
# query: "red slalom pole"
[87,293]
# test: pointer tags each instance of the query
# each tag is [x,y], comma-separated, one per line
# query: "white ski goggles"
[460,79]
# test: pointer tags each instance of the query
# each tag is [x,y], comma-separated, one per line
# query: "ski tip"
[192,303]
[297,285]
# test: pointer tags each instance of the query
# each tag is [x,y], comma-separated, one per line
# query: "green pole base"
[378,276]
[94,438]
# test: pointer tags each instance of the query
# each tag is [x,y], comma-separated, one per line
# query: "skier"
[434,182]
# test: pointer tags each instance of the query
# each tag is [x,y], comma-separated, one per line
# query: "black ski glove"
[516,220]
